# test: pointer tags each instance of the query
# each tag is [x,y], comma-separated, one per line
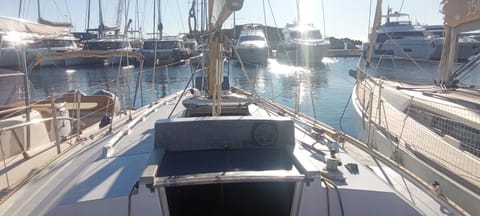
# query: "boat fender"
[106,120]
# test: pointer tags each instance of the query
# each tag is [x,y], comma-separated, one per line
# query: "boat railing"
[445,136]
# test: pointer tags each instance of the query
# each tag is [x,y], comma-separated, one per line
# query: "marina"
[243,121]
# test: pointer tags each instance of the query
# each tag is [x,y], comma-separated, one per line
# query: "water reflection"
[323,90]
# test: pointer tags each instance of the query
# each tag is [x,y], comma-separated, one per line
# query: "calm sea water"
[324,92]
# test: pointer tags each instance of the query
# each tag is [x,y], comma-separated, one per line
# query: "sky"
[339,18]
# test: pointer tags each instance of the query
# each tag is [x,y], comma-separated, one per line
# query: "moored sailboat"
[432,129]
[242,155]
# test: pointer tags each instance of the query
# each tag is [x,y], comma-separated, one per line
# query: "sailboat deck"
[419,139]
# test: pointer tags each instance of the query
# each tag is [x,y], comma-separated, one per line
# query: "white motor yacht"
[398,38]
[302,44]
[467,46]
[252,46]
[59,44]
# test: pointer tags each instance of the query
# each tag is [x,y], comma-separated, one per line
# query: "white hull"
[253,55]
[466,48]
[419,150]
[422,49]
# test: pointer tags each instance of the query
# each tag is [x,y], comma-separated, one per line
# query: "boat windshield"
[162,44]
[11,89]
[58,43]
[7,44]
[382,37]
[306,35]
[250,38]
[470,76]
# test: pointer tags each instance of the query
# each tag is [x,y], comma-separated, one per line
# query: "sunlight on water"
[283,69]
[330,60]
[70,71]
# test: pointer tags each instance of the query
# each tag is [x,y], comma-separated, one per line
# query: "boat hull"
[253,55]
[466,48]
[406,48]
[420,160]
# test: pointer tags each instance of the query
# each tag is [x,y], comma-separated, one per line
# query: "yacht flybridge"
[216,150]
[303,45]
[399,38]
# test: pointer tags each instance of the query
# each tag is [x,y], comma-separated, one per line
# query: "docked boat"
[397,37]
[467,46]
[432,129]
[302,45]
[109,44]
[58,44]
[216,150]
[34,132]
[9,54]
[18,33]
[165,51]
[252,46]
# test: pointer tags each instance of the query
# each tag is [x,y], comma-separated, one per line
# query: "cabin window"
[162,44]
[382,37]
[105,45]
[250,38]
[470,77]
[59,43]
[407,50]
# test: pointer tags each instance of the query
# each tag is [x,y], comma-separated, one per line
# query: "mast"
[218,11]
[154,20]
[119,16]
[101,26]
[19,9]
[373,35]
[160,24]
[88,17]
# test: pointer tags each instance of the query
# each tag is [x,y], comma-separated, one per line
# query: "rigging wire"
[181,17]
[278,33]
[68,11]
[343,113]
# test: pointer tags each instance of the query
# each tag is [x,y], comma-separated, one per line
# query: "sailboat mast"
[154,30]
[373,35]
[119,16]
[218,13]
[38,9]
[160,24]
[19,8]
[88,16]
[100,17]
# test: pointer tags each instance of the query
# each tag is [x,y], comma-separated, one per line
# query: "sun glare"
[14,37]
